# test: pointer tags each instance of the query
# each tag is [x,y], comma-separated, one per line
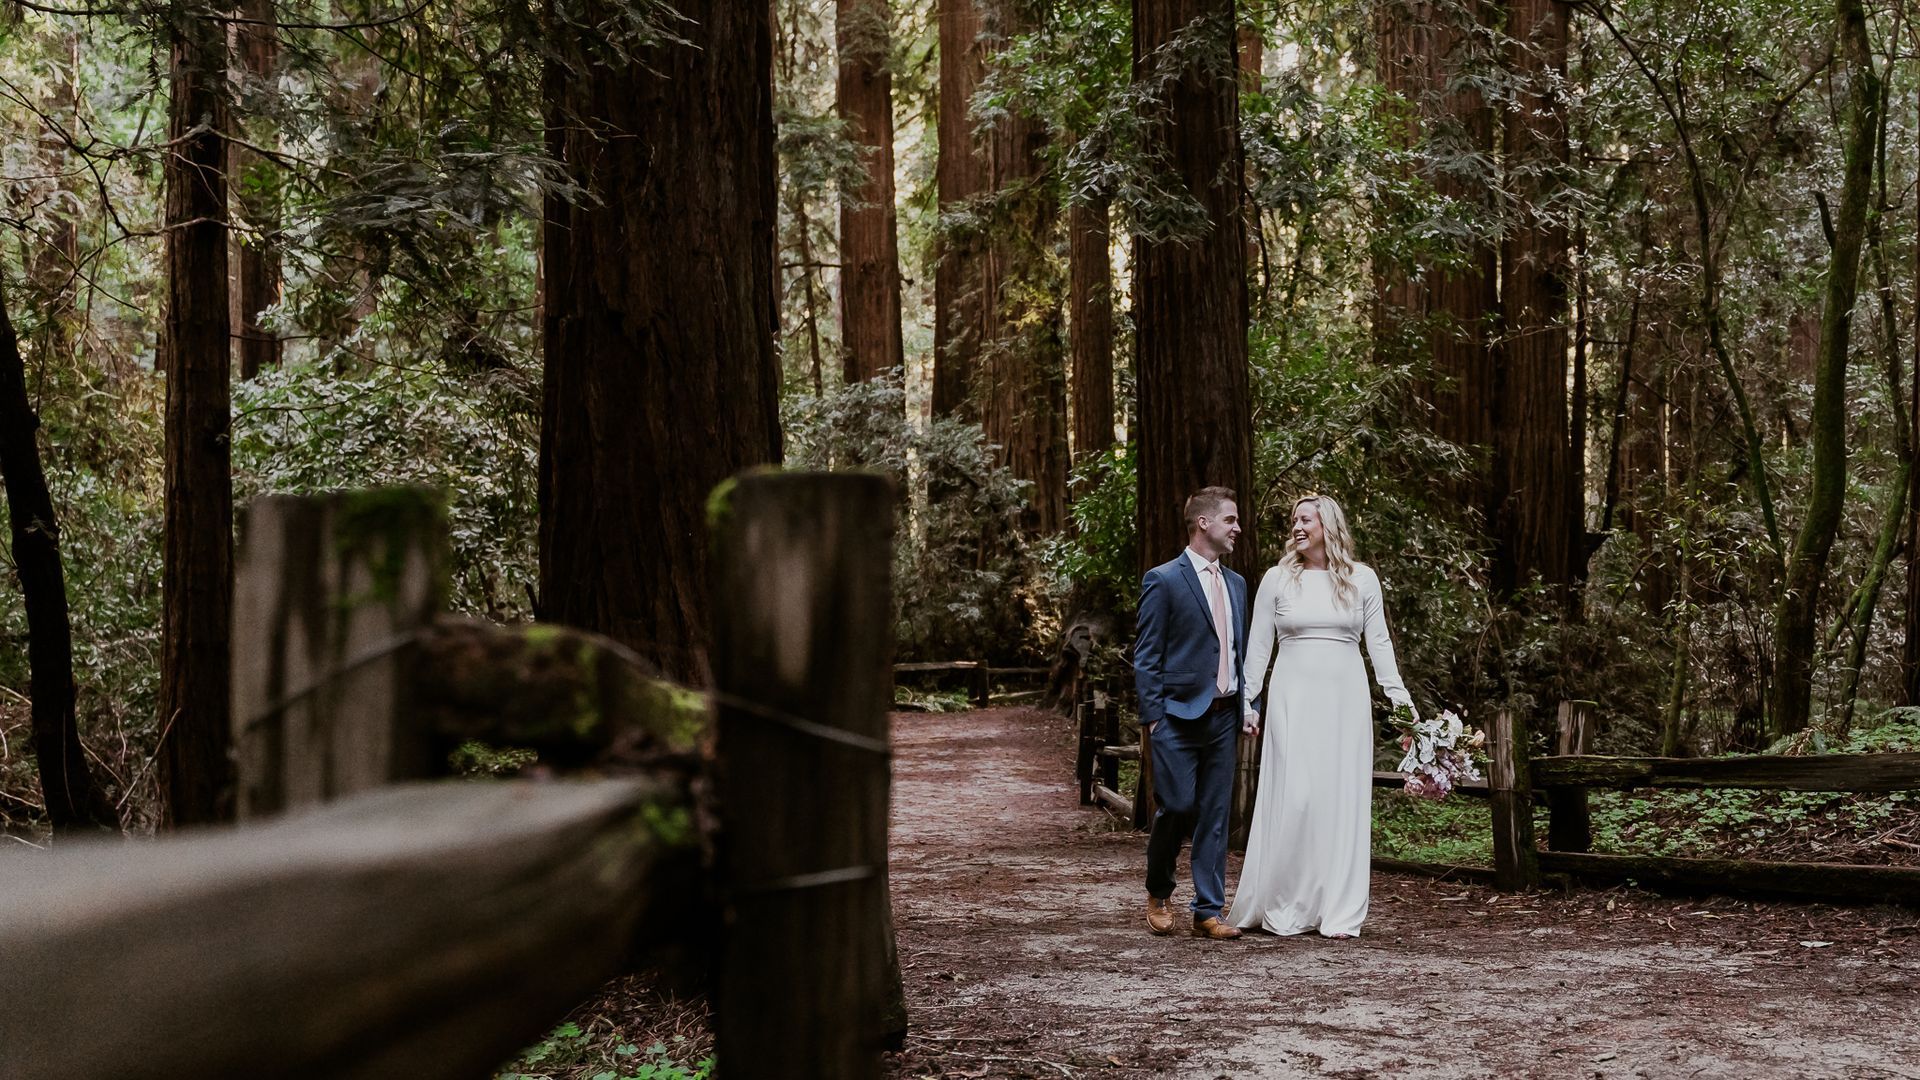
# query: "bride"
[1309,852]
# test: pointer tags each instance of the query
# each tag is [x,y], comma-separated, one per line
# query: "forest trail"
[1025,953]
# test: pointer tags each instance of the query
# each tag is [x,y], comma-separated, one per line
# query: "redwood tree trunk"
[1090,321]
[1537,515]
[72,799]
[869,241]
[998,350]
[1799,603]
[1022,381]
[1189,298]
[259,271]
[197,580]
[661,376]
[1452,306]
[960,175]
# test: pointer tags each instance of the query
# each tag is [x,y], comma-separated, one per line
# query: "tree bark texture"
[1090,323]
[960,175]
[197,582]
[1189,297]
[869,240]
[258,275]
[72,799]
[1798,607]
[1443,313]
[661,376]
[1537,521]
[999,352]
[1022,378]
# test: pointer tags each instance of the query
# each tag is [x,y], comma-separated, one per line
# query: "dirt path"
[1026,953]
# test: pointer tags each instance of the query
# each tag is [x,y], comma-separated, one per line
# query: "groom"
[1186,667]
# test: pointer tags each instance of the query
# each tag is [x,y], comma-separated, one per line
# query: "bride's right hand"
[1250,723]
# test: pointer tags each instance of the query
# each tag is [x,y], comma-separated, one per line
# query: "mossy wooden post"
[1569,824]
[328,593]
[1515,863]
[802,637]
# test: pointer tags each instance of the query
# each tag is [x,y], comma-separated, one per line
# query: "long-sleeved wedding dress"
[1309,851]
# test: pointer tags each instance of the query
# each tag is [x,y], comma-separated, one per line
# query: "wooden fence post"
[1143,787]
[1083,761]
[802,642]
[1569,824]
[1109,736]
[329,591]
[1246,785]
[1515,863]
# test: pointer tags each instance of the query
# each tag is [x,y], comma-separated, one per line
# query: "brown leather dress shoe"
[1159,916]
[1215,929]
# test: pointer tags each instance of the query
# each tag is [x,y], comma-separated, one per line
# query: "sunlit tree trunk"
[869,242]
[960,175]
[1189,297]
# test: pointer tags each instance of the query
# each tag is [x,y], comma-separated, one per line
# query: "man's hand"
[1250,722]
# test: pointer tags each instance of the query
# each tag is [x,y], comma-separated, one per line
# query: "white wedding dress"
[1310,848]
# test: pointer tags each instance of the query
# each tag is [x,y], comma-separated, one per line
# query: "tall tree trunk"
[1807,568]
[1865,602]
[1189,298]
[258,276]
[197,577]
[960,175]
[73,800]
[869,241]
[1537,508]
[1910,650]
[1443,313]
[1022,381]
[661,375]
[1090,321]
[998,350]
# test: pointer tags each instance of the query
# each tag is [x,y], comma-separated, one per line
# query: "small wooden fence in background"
[977,675]
[353,925]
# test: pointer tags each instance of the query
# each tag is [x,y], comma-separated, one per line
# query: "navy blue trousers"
[1193,764]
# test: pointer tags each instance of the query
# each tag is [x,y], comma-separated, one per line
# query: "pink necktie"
[1217,593]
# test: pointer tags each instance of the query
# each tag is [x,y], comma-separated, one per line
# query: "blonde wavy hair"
[1340,563]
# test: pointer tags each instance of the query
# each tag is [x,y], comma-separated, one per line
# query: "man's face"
[1221,528]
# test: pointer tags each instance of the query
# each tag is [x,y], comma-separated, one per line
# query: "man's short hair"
[1205,503]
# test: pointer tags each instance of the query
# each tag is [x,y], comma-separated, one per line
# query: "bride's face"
[1307,536]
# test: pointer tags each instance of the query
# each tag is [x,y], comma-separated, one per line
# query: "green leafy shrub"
[966,585]
[303,428]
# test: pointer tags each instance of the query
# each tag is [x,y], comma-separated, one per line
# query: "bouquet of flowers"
[1438,752]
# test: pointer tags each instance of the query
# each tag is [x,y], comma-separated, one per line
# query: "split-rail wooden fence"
[1562,781]
[364,920]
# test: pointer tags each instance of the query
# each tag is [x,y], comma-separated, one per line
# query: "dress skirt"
[1309,852]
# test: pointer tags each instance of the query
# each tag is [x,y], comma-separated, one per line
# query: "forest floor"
[1025,951]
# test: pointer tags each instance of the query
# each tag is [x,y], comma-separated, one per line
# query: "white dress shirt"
[1202,567]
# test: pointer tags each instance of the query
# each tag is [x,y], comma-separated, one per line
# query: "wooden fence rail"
[1567,776]
[429,930]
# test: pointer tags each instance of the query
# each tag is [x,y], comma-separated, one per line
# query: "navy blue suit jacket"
[1176,654]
